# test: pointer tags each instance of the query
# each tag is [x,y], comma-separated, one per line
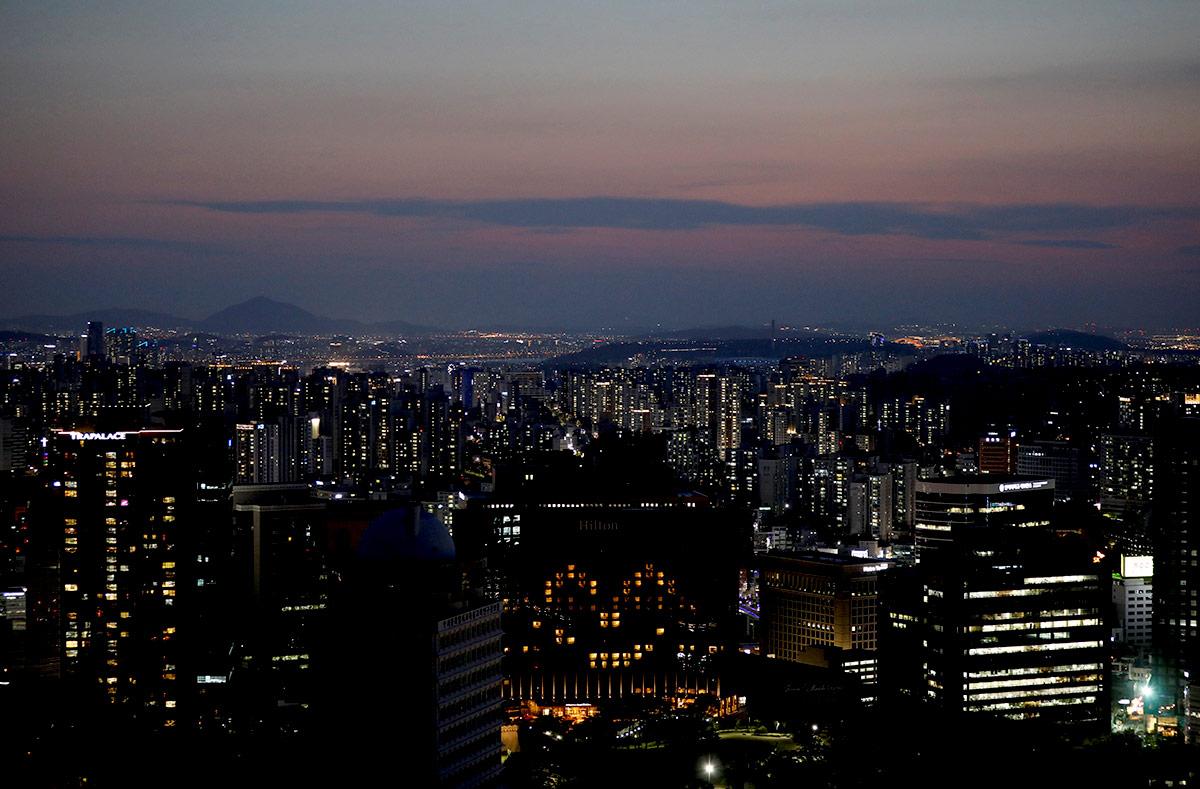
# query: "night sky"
[606,164]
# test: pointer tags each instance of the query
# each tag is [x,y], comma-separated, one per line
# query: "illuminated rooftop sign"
[116,435]
[1137,566]
[1007,486]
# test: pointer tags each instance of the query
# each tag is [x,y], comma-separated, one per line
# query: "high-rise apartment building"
[870,511]
[117,502]
[1127,472]
[257,455]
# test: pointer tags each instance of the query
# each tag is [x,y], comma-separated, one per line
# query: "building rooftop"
[409,534]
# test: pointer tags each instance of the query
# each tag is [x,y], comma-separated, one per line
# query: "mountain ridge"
[256,315]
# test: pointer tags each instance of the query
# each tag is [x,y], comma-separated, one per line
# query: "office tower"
[776,476]
[822,610]
[282,556]
[1056,460]
[93,341]
[1012,617]
[947,508]
[526,383]
[997,453]
[118,502]
[1133,601]
[415,642]
[1177,571]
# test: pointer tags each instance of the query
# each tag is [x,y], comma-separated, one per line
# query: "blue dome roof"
[409,534]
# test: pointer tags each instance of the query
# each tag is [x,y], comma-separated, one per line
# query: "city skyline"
[564,166]
[503,395]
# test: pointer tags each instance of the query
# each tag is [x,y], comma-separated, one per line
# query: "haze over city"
[549,164]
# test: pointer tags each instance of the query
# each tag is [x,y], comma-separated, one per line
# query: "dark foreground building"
[415,665]
[1177,572]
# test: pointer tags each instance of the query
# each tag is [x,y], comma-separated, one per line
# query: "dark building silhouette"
[93,341]
[1176,516]
[415,664]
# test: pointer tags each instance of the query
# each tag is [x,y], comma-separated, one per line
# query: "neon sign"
[1007,486]
[115,435]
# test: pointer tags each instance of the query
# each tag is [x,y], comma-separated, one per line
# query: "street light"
[709,769]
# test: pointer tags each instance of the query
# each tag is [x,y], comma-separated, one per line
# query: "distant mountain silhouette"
[1076,339]
[259,315]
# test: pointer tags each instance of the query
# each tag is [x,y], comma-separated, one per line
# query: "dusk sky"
[616,164]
